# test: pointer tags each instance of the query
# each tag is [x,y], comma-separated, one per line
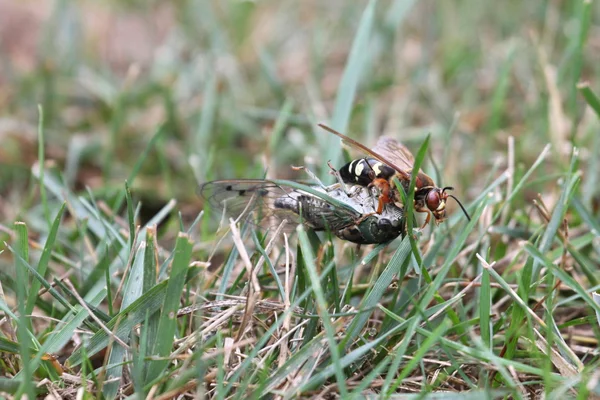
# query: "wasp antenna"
[461,206]
[371,172]
[447,188]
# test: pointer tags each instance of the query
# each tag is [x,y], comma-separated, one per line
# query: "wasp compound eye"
[433,200]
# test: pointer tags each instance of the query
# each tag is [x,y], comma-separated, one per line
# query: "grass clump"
[114,281]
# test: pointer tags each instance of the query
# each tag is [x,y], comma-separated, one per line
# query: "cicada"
[349,216]
[389,159]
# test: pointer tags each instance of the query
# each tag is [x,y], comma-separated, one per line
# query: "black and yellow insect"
[388,159]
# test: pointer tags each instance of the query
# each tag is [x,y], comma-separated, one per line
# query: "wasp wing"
[396,152]
[402,157]
[392,153]
[402,170]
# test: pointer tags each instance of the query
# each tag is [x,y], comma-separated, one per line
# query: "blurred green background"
[235,88]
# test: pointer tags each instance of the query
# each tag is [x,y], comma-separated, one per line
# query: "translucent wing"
[395,151]
[350,216]
[391,153]
[235,198]
[401,170]
[401,156]
[266,203]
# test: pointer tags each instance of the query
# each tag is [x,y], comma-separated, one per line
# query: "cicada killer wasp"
[389,159]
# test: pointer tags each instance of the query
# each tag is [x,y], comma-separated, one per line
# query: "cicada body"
[350,216]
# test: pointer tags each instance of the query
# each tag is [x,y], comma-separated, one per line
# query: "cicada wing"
[267,203]
[249,200]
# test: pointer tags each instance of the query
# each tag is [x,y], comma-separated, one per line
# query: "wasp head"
[436,203]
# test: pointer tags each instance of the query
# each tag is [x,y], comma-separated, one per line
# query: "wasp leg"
[426,219]
[380,205]
[384,196]
[338,177]
[353,190]
[311,175]
[378,200]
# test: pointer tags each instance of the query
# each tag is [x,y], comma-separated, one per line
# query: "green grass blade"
[355,356]
[132,292]
[374,296]
[167,323]
[451,256]
[562,275]
[349,84]
[130,216]
[280,126]
[396,13]
[419,354]
[41,162]
[150,280]
[79,208]
[322,306]
[596,298]
[409,209]
[274,274]
[593,172]
[12,385]
[590,97]
[203,134]
[65,331]
[559,211]
[584,19]
[485,309]
[59,297]
[149,303]
[499,97]
[44,260]
[588,218]
[138,164]
[23,323]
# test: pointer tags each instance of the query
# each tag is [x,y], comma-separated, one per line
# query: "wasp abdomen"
[362,171]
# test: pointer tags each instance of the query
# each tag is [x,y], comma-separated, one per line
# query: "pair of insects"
[346,208]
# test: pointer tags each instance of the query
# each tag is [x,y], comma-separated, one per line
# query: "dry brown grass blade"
[285,326]
[565,368]
[253,289]
[94,317]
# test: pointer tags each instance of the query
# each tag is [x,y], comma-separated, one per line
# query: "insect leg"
[338,177]
[311,175]
[375,196]
[380,192]
[426,219]
[377,199]
[380,205]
